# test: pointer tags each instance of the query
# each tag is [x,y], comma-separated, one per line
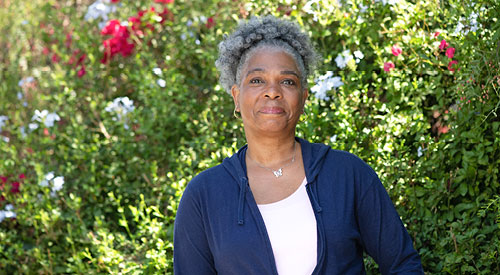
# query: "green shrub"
[94,185]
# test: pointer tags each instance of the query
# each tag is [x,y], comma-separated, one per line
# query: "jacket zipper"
[319,225]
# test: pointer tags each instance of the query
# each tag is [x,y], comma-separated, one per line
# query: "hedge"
[108,108]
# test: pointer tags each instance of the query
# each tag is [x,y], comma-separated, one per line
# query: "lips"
[272,110]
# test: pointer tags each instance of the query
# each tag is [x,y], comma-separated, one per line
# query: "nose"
[273,92]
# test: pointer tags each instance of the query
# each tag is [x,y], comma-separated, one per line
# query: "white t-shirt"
[291,226]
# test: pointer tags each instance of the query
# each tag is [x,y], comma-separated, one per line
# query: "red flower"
[81,59]
[111,27]
[388,66]
[115,1]
[82,71]
[68,41]
[436,34]
[55,58]
[15,187]
[119,43]
[46,131]
[3,179]
[443,45]
[450,52]
[134,22]
[210,22]
[45,51]
[443,129]
[164,1]
[166,14]
[453,62]
[22,176]
[396,50]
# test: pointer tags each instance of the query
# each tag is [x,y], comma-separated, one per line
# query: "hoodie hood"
[313,156]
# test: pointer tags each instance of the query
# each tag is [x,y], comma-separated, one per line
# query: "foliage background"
[118,169]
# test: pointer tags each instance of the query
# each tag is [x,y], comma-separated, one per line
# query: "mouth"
[272,110]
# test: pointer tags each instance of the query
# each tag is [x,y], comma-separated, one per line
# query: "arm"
[383,234]
[192,254]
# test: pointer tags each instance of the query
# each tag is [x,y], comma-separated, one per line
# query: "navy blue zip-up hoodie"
[219,229]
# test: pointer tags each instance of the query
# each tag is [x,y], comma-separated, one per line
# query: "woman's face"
[270,97]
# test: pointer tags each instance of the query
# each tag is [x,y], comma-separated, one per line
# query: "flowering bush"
[110,107]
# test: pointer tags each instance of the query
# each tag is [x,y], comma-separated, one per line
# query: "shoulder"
[348,160]
[206,179]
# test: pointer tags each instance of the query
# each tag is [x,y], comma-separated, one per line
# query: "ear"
[305,94]
[235,92]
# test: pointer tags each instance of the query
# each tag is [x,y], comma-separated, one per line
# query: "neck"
[271,152]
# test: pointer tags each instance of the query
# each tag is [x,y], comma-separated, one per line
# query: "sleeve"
[192,253]
[383,234]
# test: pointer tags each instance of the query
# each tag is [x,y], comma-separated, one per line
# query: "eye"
[288,82]
[256,81]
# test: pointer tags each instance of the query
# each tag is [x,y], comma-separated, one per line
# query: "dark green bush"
[430,128]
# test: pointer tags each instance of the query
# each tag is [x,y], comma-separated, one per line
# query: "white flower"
[23,131]
[6,139]
[44,183]
[39,115]
[339,60]
[336,81]
[419,152]
[19,95]
[390,2]
[161,83]
[363,8]
[7,213]
[359,55]
[57,184]
[101,25]
[459,27]
[99,9]
[121,106]
[324,84]
[50,119]
[2,121]
[157,71]
[44,116]
[308,6]
[49,176]
[333,139]
[473,25]
[10,214]
[189,23]
[28,79]
[342,59]
[33,126]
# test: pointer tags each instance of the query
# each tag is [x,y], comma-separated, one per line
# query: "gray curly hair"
[258,33]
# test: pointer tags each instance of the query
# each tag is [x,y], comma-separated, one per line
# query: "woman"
[282,205]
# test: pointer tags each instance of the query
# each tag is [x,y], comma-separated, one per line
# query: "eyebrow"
[255,70]
[282,72]
[290,72]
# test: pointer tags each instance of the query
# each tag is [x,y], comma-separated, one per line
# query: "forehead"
[268,58]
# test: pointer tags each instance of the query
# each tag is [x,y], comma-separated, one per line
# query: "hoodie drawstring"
[314,200]
[241,202]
